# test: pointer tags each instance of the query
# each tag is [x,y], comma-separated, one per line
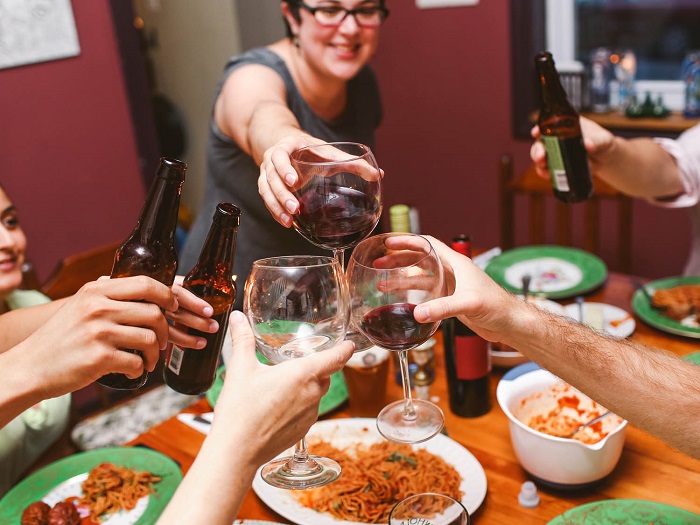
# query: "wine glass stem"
[339,255]
[301,453]
[409,414]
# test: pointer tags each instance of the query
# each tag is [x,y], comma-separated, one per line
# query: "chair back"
[75,270]
[537,192]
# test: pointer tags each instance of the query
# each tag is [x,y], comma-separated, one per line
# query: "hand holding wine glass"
[339,194]
[297,306]
[389,275]
[339,189]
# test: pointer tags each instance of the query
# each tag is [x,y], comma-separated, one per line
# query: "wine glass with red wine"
[340,199]
[297,306]
[388,276]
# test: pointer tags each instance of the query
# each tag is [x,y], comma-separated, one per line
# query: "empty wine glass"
[429,508]
[388,275]
[297,305]
[339,190]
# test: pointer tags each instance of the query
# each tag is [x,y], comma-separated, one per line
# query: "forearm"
[654,390]
[17,325]
[638,167]
[222,479]
[270,123]
[18,390]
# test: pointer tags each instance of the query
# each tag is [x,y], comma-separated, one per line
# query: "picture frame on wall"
[36,31]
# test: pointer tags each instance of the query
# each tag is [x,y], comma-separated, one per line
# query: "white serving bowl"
[557,462]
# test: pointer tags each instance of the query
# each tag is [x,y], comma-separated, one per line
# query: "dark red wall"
[68,156]
[446,83]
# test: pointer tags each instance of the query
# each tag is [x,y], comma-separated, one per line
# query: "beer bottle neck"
[158,219]
[552,94]
[216,257]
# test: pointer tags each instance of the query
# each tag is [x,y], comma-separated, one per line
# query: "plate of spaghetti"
[376,475]
[108,486]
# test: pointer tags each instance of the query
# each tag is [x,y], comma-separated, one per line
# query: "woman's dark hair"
[294,9]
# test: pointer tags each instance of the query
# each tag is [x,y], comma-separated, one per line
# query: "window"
[659,32]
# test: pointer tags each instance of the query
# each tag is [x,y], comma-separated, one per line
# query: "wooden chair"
[75,270]
[537,191]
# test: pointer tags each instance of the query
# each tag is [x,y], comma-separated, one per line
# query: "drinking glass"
[339,190]
[388,275]
[297,306]
[429,508]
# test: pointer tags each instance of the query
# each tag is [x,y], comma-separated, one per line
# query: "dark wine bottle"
[467,360]
[191,371]
[560,130]
[150,249]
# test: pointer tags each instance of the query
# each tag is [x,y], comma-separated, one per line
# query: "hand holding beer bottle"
[150,249]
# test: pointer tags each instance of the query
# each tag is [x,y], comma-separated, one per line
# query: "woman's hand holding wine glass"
[339,194]
[389,275]
[339,190]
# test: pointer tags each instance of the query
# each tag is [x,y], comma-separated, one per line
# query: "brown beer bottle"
[560,130]
[150,249]
[191,371]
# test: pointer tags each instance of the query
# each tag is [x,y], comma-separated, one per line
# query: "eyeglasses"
[332,15]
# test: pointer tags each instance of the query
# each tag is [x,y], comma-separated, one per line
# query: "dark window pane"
[660,32]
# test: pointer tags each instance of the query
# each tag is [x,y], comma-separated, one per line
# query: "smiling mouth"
[346,48]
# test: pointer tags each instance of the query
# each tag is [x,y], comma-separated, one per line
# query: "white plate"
[511,358]
[616,321]
[548,274]
[343,433]
[256,522]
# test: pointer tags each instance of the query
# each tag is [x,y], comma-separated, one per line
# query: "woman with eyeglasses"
[313,86]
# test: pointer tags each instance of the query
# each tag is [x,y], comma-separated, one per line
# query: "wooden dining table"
[649,469]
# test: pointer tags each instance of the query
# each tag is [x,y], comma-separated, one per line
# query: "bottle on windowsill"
[467,360]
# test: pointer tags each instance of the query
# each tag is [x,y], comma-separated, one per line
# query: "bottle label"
[472,357]
[175,362]
[555,159]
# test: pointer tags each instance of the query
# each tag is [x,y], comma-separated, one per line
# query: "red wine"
[467,359]
[393,327]
[468,367]
[335,217]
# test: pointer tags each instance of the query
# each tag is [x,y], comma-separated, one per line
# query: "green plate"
[337,393]
[555,271]
[693,358]
[627,512]
[654,317]
[55,479]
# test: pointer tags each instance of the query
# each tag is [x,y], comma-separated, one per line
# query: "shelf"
[674,123]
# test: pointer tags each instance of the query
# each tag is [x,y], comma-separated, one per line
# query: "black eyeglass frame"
[383,11]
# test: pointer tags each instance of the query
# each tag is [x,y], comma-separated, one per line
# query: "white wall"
[194,41]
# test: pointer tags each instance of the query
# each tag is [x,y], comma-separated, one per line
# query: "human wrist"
[20,389]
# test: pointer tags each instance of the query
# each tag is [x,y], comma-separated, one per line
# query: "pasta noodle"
[109,488]
[376,477]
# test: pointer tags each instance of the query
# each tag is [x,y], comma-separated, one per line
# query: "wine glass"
[429,507]
[388,275]
[339,190]
[297,305]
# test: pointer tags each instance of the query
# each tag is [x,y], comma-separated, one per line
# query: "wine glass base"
[426,421]
[285,473]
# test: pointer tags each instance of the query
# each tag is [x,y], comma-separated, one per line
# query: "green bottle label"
[555,159]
